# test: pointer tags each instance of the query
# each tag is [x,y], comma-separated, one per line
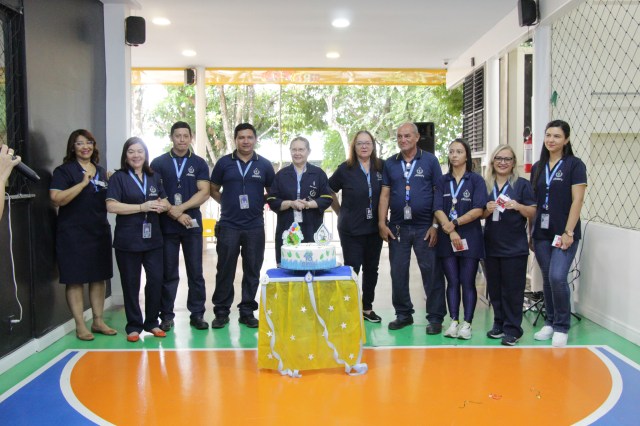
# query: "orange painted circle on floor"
[403,386]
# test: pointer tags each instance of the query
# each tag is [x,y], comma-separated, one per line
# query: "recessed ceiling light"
[189,52]
[161,21]
[333,55]
[341,23]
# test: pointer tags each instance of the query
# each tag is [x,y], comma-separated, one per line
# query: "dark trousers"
[506,280]
[231,243]
[192,251]
[461,273]
[363,251]
[130,265]
[430,269]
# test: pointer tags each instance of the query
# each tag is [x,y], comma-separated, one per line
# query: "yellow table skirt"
[310,325]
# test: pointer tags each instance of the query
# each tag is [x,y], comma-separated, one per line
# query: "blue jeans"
[231,243]
[363,251]
[430,269]
[554,264]
[192,250]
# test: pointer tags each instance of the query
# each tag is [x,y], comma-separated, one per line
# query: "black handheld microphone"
[26,171]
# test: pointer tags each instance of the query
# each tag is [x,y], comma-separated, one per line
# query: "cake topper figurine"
[322,235]
[293,235]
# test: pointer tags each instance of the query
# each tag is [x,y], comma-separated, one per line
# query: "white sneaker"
[545,333]
[559,340]
[452,331]
[465,331]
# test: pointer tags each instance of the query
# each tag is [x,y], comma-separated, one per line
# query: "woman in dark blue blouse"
[79,188]
[136,195]
[460,197]
[559,182]
[511,203]
[359,178]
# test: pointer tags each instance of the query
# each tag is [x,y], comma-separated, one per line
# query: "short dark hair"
[244,126]
[180,125]
[123,160]
[71,152]
[467,150]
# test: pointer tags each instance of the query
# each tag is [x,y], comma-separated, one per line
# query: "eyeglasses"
[363,144]
[503,159]
[80,144]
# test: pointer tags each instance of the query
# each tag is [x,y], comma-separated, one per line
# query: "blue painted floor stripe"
[626,411]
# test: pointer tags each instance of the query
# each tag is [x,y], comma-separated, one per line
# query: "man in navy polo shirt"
[238,182]
[185,178]
[408,180]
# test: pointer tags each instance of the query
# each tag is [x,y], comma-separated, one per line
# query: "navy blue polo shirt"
[195,170]
[422,181]
[507,237]
[352,181]
[128,232]
[572,172]
[314,185]
[472,195]
[227,175]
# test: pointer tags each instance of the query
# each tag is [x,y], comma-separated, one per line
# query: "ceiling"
[298,33]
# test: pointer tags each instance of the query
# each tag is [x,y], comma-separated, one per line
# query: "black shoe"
[434,328]
[219,322]
[495,333]
[509,340]
[398,323]
[371,317]
[249,321]
[199,324]
[166,325]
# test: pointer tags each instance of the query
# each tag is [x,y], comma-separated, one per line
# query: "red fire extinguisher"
[528,150]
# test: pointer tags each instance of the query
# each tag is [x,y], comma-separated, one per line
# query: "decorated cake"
[299,256]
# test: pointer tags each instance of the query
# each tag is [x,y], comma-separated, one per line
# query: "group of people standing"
[405,200]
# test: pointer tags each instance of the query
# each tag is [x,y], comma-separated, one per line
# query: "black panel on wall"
[66,89]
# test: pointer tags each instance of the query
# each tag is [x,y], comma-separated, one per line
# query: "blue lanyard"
[548,177]
[368,175]
[241,173]
[454,194]
[143,187]
[179,171]
[298,179]
[504,189]
[94,181]
[407,176]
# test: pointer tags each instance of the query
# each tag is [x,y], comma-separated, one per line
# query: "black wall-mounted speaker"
[427,141]
[134,30]
[189,77]
[527,12]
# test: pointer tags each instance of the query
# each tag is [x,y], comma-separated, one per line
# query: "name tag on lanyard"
[297,214]
[501,201]
[407,170]
[453,214]
[243,199]
[146,227]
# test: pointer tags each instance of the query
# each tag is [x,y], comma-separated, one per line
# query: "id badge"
[407,212]
[177,199]
[297,216]
[146,230]
[544,221]
[496,215]
[244,201]
[369,214]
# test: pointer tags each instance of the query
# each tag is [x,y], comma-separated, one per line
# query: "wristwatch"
[435,225]
[569,233]
[455,222]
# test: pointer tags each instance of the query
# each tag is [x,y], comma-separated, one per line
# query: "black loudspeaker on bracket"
[134,30]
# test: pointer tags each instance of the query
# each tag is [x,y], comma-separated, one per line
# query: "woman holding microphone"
[136,196]
[511,203]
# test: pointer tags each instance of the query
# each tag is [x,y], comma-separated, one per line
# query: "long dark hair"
[124,166]
[467,150]
[71,152]
[375,162]
[544,152]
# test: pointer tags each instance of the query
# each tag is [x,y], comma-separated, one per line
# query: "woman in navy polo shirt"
[300,193]
[460,197]
[136,195]
[359,178]
[506,244]
[559,182]
[79,189]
